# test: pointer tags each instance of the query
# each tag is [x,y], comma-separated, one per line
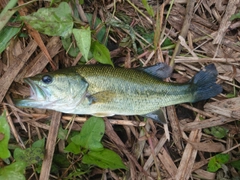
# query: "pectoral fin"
[157,116]
[160,70]
[101,97]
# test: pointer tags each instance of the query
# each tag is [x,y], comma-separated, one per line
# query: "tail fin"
[205,83]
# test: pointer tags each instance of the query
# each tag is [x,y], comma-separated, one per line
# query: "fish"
[102,90]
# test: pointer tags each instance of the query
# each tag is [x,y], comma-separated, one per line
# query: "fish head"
[59,90]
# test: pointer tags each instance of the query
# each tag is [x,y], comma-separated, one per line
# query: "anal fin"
[157,116]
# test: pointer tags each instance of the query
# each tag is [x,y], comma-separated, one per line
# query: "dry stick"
[197,110]
[154,156]
[162,15]
[185,27]
[39,62]
[180,59]
[176,131]
[140,12]
[50,146]
[189,155]
[81,12]
[9,100]
[215,121]
[225,22]
[167,162]
[8,77]
[114,137]
[13,129]
[158,147]
[159,32]
[112,121]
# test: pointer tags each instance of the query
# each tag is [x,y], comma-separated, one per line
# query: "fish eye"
[47,79]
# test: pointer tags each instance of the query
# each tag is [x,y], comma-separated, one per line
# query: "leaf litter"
[197,135]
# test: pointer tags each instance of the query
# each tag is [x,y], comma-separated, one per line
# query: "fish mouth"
[37,98]
[37,93]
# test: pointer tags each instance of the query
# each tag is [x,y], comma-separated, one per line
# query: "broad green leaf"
[69,47]
[52,21]
[4,137]
[236,164]
[39,143]
[30,156]
[73,148]
[219,132]
[216,162]
[235,16]
[14,171]
[104,159]
[222,158]
[61,160]
[167,42]
[83,38]
[101,53]
[91,134]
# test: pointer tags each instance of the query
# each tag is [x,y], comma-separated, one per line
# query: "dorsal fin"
[159,70]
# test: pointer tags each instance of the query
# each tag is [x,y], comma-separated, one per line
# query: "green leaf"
[30,156]
[13,171]
[73,148]
[235,16]
[4,137]
[167,42]
[39,143]
[61,160]
[101,29]
[62,133]
[148,8]
[230,95]
[219,132]
[7,13]
[52,21]
[83,38]
[91,134]
[101,53]
[236,164]
[6,34]
[216,162]
[104,159]
[69,47]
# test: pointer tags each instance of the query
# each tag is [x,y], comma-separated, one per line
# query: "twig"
[185,27]
[50,146]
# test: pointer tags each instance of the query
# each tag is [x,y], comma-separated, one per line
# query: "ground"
[185,34]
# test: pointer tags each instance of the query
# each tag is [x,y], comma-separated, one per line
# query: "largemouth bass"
[102,90]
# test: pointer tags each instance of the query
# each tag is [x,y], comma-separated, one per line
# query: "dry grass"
[202,34]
